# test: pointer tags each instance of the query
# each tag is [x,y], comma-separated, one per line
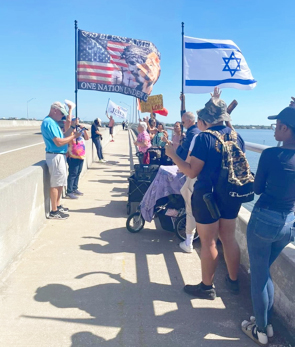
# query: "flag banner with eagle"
[117,64]
[214,63]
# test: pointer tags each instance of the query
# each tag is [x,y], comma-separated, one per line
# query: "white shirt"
[192,145]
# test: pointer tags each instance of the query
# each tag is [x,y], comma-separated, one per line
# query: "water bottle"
[211,205]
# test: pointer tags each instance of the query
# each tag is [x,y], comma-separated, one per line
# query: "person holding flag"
[111,126]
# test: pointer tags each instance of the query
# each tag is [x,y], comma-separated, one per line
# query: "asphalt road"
[20,147]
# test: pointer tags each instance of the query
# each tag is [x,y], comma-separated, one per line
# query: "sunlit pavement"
[87,281]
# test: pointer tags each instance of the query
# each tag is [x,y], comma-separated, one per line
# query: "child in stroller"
[171,212]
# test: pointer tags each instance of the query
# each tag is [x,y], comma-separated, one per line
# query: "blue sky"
[37,60]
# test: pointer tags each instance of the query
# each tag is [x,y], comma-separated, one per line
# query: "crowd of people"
[198,154]
[270,227]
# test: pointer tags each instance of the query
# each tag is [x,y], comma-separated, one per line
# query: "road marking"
[11,135]
[18,134]
[17,149]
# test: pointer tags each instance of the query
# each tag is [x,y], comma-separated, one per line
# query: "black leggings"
[98,146]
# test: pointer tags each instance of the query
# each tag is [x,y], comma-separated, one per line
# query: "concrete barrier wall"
[25,203]
[19,123]
[282,272]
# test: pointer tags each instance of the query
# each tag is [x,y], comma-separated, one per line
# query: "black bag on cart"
[155,155]
[158,156]
[145,172]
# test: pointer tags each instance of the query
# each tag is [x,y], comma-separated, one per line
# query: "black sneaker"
[58,215]
[61,208]
[232,286]
[199,292]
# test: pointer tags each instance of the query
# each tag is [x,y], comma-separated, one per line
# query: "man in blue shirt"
[56,148]
[189,122]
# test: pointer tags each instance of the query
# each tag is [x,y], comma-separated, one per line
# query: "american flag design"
[117,64]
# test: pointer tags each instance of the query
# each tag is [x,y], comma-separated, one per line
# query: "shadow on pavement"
[107,210]
[135,308]
[106,181]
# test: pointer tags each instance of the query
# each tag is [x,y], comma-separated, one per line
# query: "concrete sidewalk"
[87,281]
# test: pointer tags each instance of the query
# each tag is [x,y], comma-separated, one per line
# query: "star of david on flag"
[214,63]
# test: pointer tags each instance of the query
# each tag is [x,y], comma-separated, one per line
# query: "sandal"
[250,329]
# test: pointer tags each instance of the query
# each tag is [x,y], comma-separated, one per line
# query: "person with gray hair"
[56,148]
[143,124]
[188,121]
[143,141]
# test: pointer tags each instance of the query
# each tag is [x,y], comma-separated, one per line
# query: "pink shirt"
[144,137]
[175,140]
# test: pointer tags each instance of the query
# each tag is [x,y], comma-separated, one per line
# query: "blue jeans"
[98,146]
[268,233]
[75,168]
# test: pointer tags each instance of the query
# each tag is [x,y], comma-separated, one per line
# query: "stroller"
[169,210]
[139,182]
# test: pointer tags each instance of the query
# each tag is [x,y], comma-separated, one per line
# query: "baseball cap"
[215,111]
[286,116]
[58,105]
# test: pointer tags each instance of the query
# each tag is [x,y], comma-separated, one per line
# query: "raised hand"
[216,94]
[292,103]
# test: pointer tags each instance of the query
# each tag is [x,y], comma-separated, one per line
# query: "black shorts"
[111,131]
[228,209]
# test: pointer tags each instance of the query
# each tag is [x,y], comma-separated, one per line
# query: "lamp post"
[121,102]
[28,107]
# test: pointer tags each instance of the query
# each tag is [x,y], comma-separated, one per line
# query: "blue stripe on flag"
[208,45]
[212,83]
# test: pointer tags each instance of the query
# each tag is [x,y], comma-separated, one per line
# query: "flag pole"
[182,69]
[107,105]
[76,66]
[76,73]
[182,53]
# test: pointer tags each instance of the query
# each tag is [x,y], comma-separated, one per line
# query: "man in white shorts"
[56,148]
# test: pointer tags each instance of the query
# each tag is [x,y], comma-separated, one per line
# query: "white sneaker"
[185,248]
[103,160]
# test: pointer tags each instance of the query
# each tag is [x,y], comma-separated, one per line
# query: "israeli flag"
[214,63]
